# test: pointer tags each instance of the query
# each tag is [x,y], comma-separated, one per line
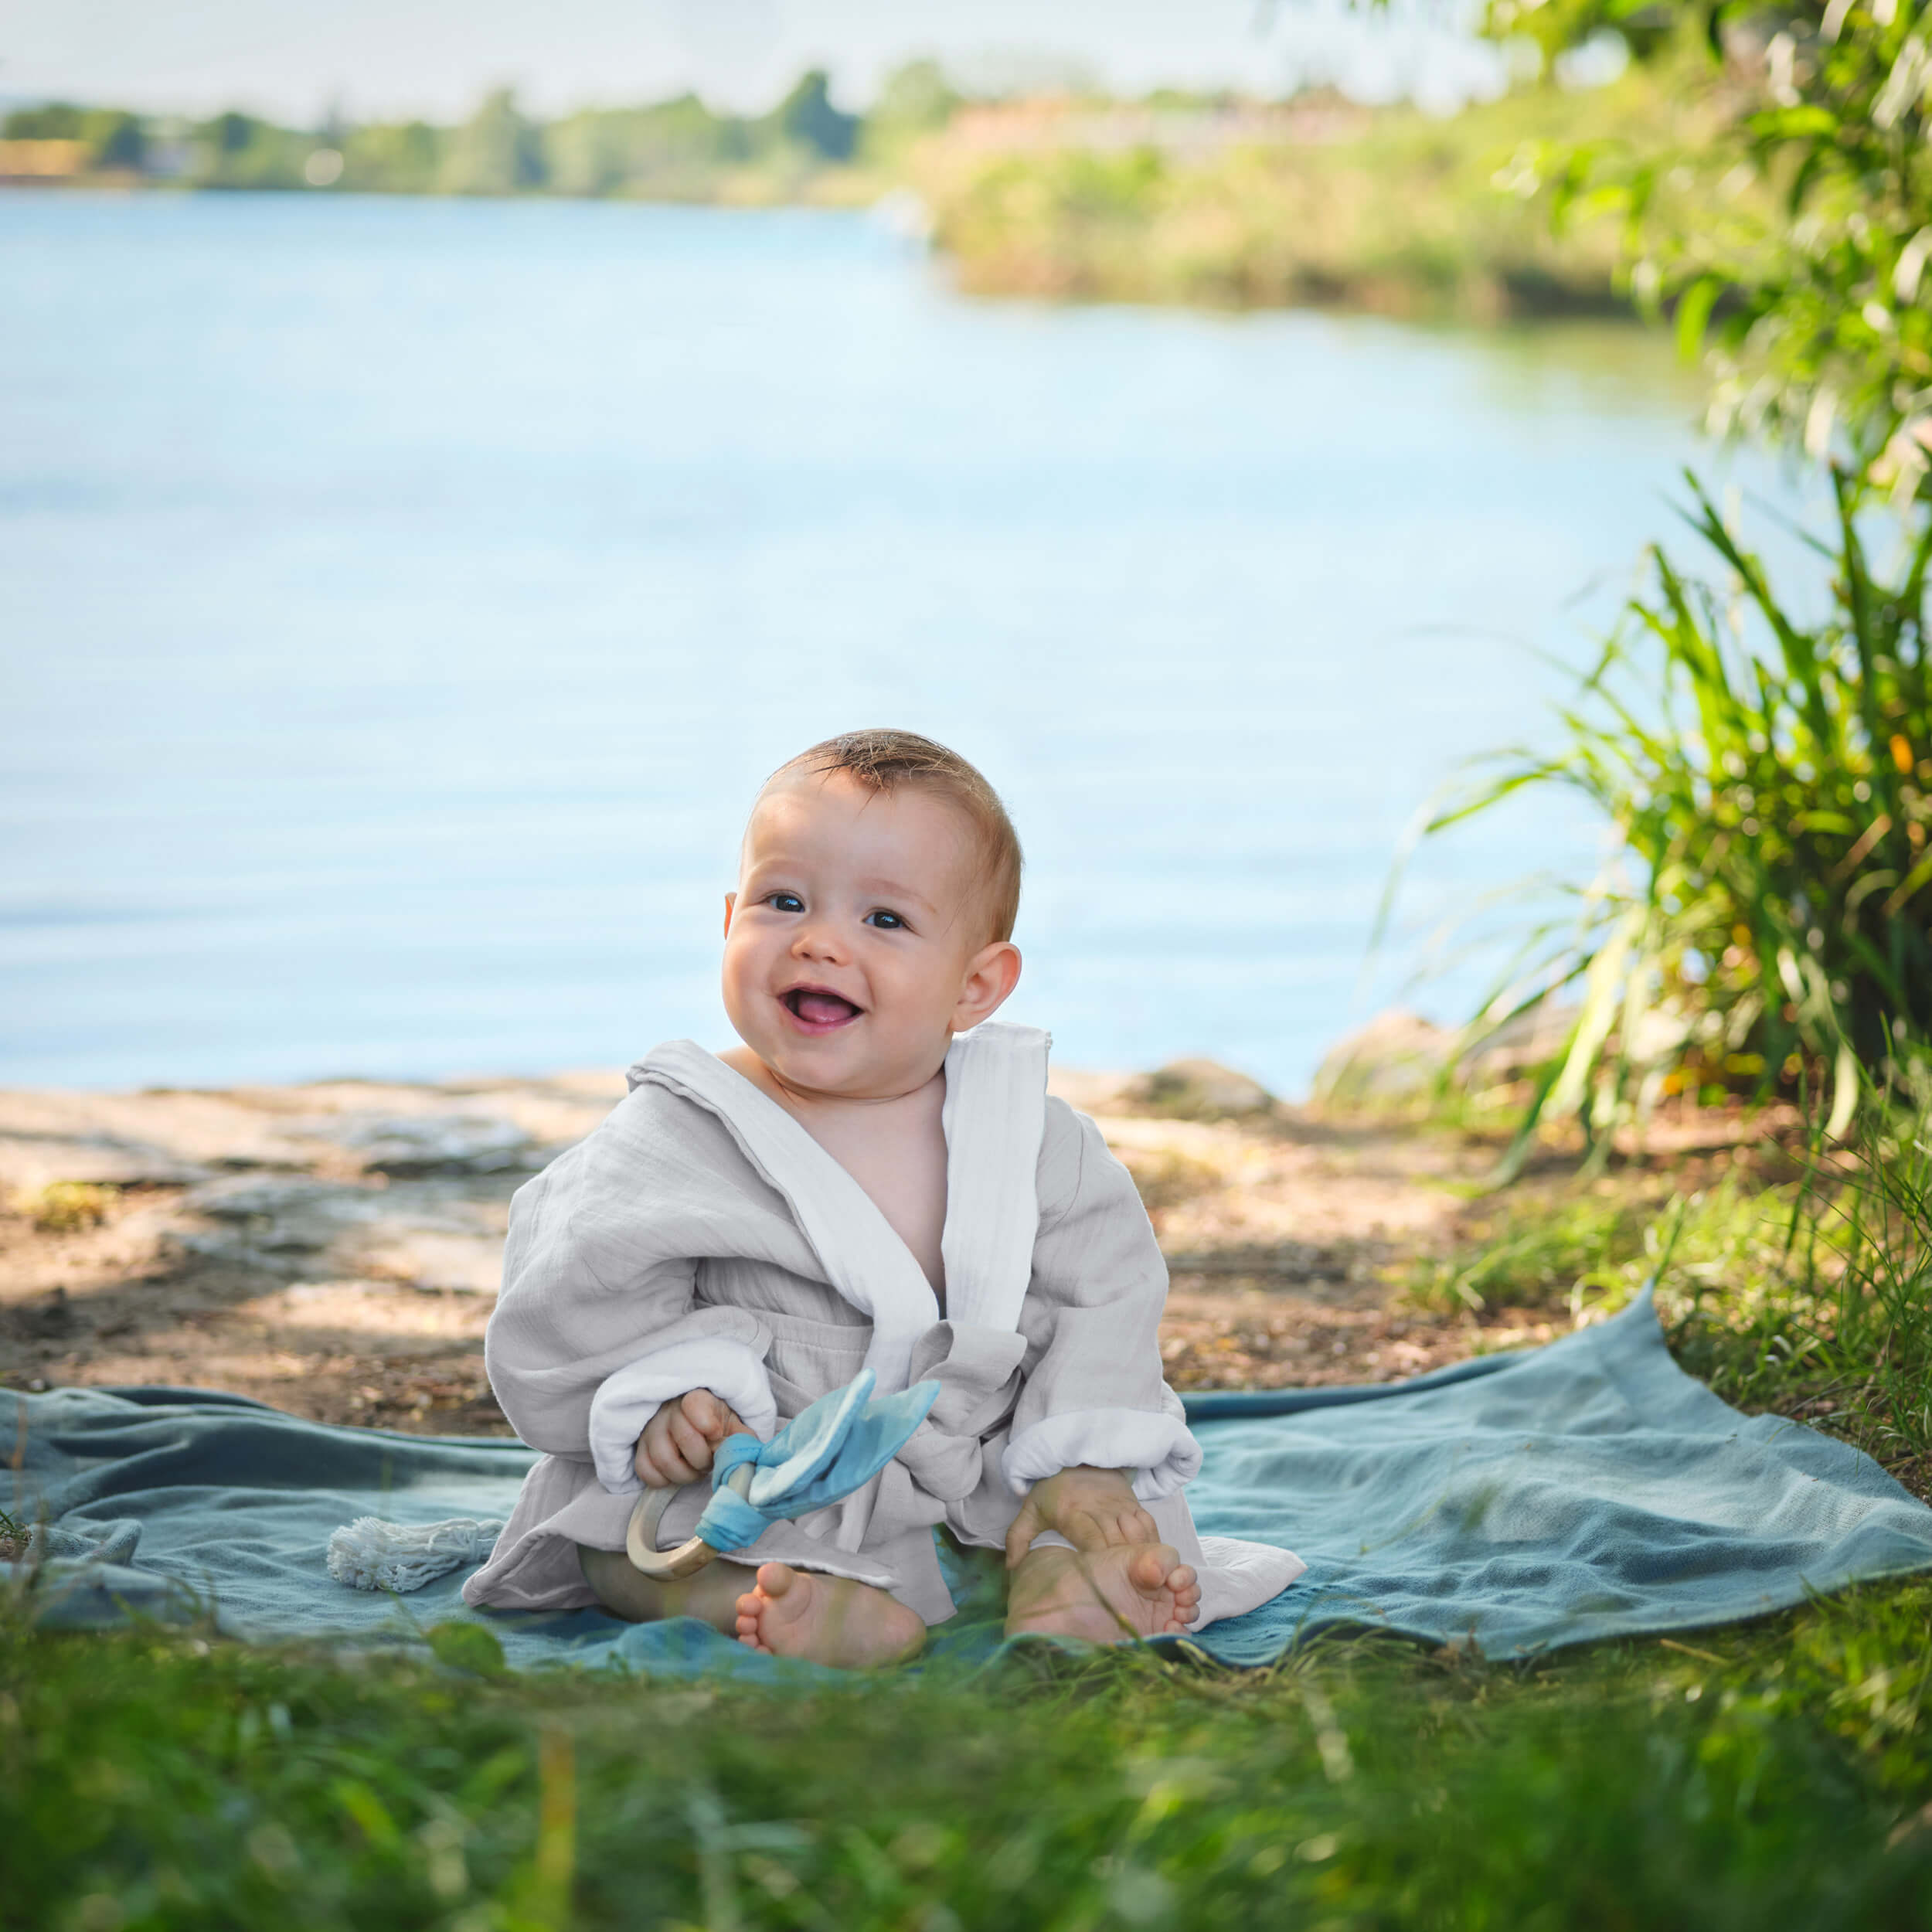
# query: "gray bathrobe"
[701,1238]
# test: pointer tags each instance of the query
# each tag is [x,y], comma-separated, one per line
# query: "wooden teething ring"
[640,1538]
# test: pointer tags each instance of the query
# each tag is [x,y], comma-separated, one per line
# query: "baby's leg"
[711,1595]
[783,1611]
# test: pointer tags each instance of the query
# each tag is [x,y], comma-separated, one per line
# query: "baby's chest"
[903,1172]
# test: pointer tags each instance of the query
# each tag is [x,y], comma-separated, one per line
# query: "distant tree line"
[678,149]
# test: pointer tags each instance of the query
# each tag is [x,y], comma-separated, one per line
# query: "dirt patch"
[335,1249]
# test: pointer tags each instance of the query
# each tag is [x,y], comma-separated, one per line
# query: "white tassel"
[370,1554]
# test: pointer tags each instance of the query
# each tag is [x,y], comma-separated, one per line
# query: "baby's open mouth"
[816,1007]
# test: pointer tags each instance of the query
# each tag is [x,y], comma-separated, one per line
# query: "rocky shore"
[335,1249]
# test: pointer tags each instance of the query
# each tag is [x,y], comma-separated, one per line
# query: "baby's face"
[855,944]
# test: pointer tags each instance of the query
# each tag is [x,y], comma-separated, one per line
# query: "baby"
[874,1177]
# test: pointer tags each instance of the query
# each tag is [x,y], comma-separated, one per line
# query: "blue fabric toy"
[825,1453]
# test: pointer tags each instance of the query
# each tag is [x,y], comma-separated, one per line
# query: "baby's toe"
[1150,1567]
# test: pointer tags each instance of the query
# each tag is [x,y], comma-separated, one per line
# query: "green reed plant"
[1762,926]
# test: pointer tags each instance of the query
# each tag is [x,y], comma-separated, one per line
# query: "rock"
[1396,1059]
[257,1218]
[428,1234]
[419,1145]
[1529,1040]
[47,1317]
[33,1162]
[429,1258]
[1091,1093]
[1283,1261]
[1198,1089]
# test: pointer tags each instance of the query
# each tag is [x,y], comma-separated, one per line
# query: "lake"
[403,598]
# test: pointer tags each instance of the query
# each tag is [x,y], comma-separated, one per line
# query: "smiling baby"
[875,1177]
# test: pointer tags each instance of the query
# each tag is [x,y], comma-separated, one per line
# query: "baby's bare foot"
[829,1620]
[1107,1595]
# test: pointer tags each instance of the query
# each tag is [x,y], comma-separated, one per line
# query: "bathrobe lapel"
[993,1116]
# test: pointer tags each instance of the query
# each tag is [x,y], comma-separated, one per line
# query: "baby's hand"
[1092,1508]
[677,1442]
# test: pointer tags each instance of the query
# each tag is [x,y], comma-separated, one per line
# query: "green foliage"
[1649,28]
[1807,291]
[1762,924]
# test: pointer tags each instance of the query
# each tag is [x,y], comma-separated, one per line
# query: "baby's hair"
[882,760]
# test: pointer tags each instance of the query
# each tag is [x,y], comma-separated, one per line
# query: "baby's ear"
[992,974]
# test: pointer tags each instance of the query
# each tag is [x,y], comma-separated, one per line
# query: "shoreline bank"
[335,1249]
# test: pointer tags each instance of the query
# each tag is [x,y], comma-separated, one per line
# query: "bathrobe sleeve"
[601,1319]
[1094,1393]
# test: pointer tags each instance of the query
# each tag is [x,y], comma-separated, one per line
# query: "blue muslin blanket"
[1527,1501]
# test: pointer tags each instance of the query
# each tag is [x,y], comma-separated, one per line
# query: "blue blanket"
[1527,1501]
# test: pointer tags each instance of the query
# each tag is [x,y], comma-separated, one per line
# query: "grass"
[1817,1300]
[157,1779]
[1536,1254]
[1811,1296]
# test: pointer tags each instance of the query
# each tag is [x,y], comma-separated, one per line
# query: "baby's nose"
[819,939]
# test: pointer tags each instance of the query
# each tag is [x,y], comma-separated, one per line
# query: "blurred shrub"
[1395,211]
[496,151]
[238,150]
[806,117]
[402,157]
[66,1207]
[114,138]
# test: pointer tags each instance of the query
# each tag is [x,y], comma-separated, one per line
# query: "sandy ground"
[335,1249]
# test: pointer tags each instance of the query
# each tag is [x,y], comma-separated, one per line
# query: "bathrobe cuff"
[629,1397]
[1154,1444]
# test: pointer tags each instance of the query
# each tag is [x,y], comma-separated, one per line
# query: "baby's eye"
[784,902]
[886,921]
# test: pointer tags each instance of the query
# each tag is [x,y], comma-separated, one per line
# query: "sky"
[296,60]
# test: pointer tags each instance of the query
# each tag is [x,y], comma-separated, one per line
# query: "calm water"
[402,600]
